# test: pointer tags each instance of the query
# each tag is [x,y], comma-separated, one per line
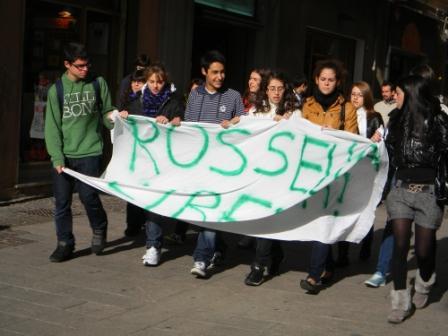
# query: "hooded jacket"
[75,132]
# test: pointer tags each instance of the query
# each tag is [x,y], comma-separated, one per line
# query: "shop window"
[48,27]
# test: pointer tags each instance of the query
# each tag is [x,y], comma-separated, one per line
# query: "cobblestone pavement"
[114,294]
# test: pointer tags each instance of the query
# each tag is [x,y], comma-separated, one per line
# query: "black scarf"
[326,100]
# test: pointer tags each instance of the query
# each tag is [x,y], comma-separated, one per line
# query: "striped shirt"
[215,107]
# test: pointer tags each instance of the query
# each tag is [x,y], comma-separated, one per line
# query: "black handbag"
[441,183]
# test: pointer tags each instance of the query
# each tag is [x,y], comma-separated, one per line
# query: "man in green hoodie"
[74,116]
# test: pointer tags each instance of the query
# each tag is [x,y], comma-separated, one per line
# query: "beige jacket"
[314,112]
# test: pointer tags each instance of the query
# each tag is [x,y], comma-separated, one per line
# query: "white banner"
[290,180]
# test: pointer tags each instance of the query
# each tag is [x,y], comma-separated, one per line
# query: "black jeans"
[366,246]
[267,250]
[181,228]
[135,217]
[63,187]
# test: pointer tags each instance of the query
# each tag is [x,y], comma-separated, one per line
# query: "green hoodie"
[75,132]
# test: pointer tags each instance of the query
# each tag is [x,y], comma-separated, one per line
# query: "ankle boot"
[401,305]
[422,290]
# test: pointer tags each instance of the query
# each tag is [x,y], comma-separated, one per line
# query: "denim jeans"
[154,233]
[207,244]
[386,250]
[153,228]
[63,187]
[387,243]
[321,260]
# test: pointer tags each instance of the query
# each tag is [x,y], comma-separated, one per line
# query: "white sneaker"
[376,280]
[199,269]
[151,257]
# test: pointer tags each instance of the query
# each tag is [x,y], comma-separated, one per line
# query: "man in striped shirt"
[212,103]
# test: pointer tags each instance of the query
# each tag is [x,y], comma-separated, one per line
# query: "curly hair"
[286,103]
[335,65]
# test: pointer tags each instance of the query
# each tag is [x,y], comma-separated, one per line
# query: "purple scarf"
[152,102]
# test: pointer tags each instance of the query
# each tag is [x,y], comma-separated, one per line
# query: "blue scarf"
[152,102]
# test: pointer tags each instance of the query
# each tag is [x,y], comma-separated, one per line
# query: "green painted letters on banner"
[197,207]
[142,142]
[198,158]
[243,158]
[307,142]
[227,215]
[282,154]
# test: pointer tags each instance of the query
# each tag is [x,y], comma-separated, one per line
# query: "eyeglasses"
[83,66]
[359,95]
[278,89]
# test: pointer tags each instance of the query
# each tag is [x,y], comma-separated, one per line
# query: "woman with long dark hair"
[257,75]
[416,138]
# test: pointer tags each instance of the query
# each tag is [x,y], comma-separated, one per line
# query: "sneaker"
[199,269]
[376,280]
[62,252]
[98,241]
[217,260]
[256,276]
[151,257]
[174,239]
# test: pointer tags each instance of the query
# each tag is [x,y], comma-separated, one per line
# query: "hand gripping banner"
[288,180]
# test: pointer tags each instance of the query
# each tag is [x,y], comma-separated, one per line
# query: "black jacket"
[172,107]
[374,121]
[413,150]
[133,106]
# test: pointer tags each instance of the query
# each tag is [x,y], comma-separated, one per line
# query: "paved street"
[114,294]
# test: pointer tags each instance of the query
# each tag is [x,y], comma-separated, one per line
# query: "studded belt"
[415,187]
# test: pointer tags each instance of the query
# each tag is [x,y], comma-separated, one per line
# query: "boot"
[422,289]
[98,241]
[401,305]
